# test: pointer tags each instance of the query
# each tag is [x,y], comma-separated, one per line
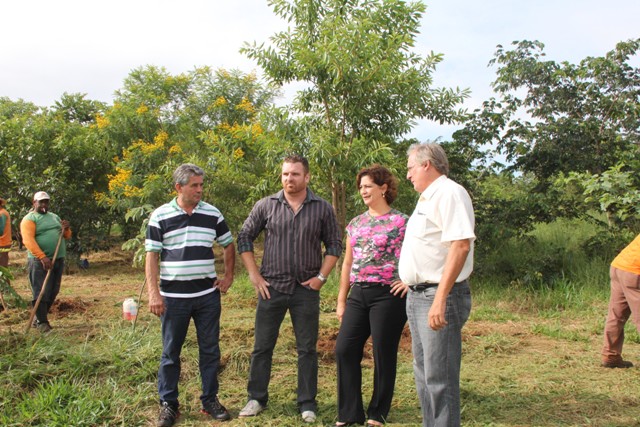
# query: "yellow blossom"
[132,191]
[219,102]
[161,137]
[102,121]
[256,129]
[238,153]
[119,179]
[246,105]
[142,109]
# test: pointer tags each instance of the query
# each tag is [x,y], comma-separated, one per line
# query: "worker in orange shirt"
[5,234]
[623,303]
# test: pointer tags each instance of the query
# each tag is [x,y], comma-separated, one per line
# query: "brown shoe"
[617,364]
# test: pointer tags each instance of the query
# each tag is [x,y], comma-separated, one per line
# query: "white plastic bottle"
[129,309]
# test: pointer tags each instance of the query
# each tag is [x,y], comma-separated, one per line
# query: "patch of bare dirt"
[64,307]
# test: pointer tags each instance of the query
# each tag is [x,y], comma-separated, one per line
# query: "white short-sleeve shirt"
[444,213]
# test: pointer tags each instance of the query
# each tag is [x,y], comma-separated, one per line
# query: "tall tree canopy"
[365,83]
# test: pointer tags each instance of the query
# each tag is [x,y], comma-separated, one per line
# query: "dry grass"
[519,368]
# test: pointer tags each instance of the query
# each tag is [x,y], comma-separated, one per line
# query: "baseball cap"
[41,195]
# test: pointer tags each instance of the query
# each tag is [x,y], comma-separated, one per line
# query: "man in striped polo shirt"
[296,223]
[179,245]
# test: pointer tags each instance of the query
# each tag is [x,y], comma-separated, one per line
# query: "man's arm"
[456,257]
[28,232]
[151,271]
[66,229]
[229,255]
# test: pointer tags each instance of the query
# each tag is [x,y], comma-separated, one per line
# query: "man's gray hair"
[432,152]
[184,172]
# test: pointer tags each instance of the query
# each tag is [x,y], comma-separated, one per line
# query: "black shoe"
[617,364]
[168,415]
[216,410]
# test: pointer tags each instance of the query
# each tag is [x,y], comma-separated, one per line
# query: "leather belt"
[422,286]
[426,285]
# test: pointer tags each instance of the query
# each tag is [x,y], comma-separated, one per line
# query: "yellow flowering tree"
[158,121]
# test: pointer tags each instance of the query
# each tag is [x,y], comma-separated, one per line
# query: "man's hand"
[224,284]
[156,303]
[398,287]
[260,285]
[46,263]
[437,319]
[65,224]
[314,283]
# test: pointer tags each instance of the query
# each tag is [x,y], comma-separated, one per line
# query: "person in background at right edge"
[624,302]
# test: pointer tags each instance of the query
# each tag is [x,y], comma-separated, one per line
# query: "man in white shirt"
[436,261]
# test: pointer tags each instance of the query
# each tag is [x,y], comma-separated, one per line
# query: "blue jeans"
[375,312]
[437,354]
[205,311]
[37,274]
[304,308]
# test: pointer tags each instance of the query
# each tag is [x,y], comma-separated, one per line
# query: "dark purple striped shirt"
[293,241]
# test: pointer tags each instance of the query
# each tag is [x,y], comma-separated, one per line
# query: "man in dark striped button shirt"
[296,223]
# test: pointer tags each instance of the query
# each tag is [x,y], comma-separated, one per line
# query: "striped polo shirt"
[185,243]
[293,241]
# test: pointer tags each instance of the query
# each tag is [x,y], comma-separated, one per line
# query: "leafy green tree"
[54,149]
[365,84]
[159,120]
[557,120]
[561,117]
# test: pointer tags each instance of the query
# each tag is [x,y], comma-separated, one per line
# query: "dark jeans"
[374,312]
[304,308]
[37,274]
[205,311]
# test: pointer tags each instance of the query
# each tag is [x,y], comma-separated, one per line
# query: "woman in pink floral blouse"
[371,299]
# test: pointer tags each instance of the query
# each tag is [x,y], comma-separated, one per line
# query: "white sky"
[51,47]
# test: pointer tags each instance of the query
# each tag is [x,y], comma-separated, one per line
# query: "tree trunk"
[338,200]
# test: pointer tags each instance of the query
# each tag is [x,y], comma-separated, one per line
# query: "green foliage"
[8,293]
[55,150]
[160,121]
[583,115]
[569,134]
[365,86]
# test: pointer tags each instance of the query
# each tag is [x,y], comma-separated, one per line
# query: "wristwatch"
[322,277]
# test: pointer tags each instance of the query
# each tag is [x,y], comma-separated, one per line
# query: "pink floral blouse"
[375,245]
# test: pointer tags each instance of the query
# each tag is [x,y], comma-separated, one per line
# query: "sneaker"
[44,327]
[617,364]
[251,409]
[216,410]
[308,416]
[168,415]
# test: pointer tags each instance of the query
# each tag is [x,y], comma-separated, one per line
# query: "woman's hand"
[399,288]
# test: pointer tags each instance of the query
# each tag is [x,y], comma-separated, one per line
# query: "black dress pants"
[370,311]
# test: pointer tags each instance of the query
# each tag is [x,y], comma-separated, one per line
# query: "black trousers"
[375,312]
[37,274]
